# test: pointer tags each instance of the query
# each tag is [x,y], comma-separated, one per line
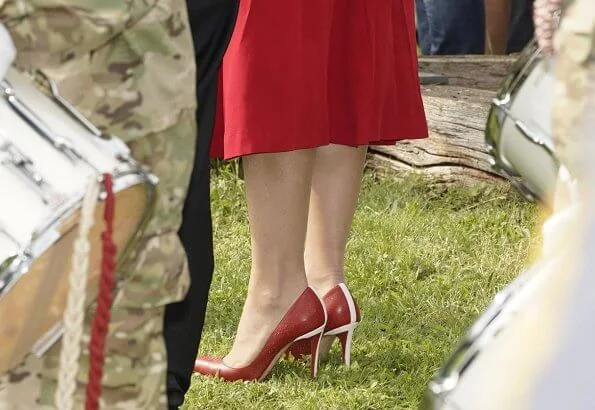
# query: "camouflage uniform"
[575,87]
[562,374]
[128,65]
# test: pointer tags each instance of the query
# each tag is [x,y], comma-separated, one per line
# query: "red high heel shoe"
[343,316]
[304,321]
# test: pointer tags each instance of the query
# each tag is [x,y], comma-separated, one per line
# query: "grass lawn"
[423,262]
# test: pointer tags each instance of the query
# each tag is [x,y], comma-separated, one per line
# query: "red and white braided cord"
[75,307]
[104,302]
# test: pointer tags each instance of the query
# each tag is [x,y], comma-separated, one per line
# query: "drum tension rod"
[25,166]
[76,115]
[70,110]
[530,134]
[60,143]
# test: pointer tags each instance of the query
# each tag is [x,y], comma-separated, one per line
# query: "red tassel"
[104,301]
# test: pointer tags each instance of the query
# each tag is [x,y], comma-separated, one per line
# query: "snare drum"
[519,132]
[48,153]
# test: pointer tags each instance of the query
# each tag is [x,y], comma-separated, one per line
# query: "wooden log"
[457,114]
[482,72]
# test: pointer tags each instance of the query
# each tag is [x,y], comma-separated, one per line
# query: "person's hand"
[546,15]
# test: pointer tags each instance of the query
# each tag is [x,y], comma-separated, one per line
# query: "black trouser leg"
[212,23]
[521,25]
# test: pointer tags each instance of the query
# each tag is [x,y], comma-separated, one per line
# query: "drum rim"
[45,237]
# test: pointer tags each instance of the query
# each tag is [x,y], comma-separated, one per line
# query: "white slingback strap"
[350,302]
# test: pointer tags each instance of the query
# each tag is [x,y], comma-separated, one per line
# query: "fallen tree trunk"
[456,113]
[480,72]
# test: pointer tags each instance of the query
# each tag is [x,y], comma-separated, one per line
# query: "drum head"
[36,303]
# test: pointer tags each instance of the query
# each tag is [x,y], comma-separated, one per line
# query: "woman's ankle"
[278,293]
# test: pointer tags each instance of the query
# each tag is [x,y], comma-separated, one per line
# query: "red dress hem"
[246,149]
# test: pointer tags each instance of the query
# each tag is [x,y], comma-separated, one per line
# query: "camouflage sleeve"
[65,28]
[127,65]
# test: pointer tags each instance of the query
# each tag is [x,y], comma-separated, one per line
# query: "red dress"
[307,73]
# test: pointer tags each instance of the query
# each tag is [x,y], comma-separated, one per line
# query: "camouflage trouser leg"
[156,275]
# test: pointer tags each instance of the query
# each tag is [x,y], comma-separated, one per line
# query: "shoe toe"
[208,366]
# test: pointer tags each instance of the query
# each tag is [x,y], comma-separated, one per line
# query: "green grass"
[423,262]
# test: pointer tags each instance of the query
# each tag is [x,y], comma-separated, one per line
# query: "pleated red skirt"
[306,73]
